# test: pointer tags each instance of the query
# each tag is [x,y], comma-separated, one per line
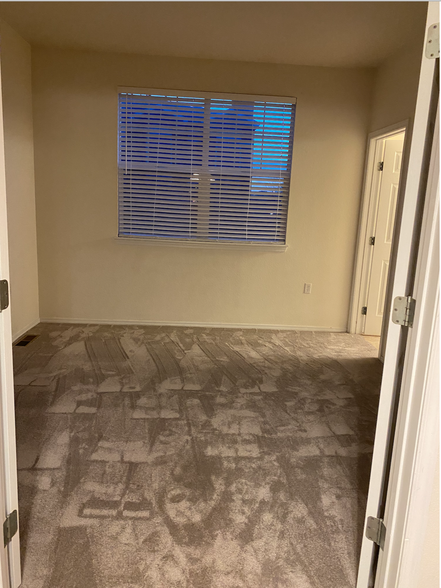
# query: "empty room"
[204,222]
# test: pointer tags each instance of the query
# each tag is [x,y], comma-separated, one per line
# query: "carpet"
[154,457]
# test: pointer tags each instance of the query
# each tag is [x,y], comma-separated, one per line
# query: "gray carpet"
[193,458]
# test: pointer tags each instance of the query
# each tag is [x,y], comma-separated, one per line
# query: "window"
[210,168]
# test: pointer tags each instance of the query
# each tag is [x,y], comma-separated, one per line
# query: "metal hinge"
[372,241]
[403,311]
[376,531]
[364,310]
[10,527]
[380,166]
[432,44]
[4,295]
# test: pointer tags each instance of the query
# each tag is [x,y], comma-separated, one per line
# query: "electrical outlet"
[307,289]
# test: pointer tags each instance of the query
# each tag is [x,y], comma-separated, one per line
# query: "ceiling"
[340,34]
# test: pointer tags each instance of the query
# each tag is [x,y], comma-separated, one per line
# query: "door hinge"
[372,241]
[376,531]
[10,527]
[403,311]
[380,166]
[4,295]
[364,310]
[432,44]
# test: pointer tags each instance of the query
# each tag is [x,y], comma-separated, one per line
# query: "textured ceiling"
[342,34]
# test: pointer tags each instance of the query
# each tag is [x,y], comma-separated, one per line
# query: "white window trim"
[157,242]
[200,94]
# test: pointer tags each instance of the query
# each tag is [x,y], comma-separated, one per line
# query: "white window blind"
[204,168]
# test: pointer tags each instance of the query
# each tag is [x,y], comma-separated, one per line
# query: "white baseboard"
[21,332]
[193,324]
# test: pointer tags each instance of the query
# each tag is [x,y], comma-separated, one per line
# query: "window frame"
[204,244]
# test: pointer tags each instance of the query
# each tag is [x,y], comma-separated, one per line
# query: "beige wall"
[86,274]
[396,86]
[19,158]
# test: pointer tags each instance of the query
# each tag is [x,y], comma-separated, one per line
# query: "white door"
[394,350]
[4,557]
[383,232]
[10,556]
[416,444]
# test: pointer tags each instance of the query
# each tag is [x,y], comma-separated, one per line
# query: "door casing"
[8,457]
[363,252]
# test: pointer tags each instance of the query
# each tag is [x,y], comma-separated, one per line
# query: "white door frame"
[399,283]
[4,556]
[363,251]
[416,443]
[8,458]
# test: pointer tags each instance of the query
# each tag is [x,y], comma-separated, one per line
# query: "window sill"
[261,247]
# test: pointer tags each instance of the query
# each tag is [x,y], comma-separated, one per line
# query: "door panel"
[383,232]
[382,288]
